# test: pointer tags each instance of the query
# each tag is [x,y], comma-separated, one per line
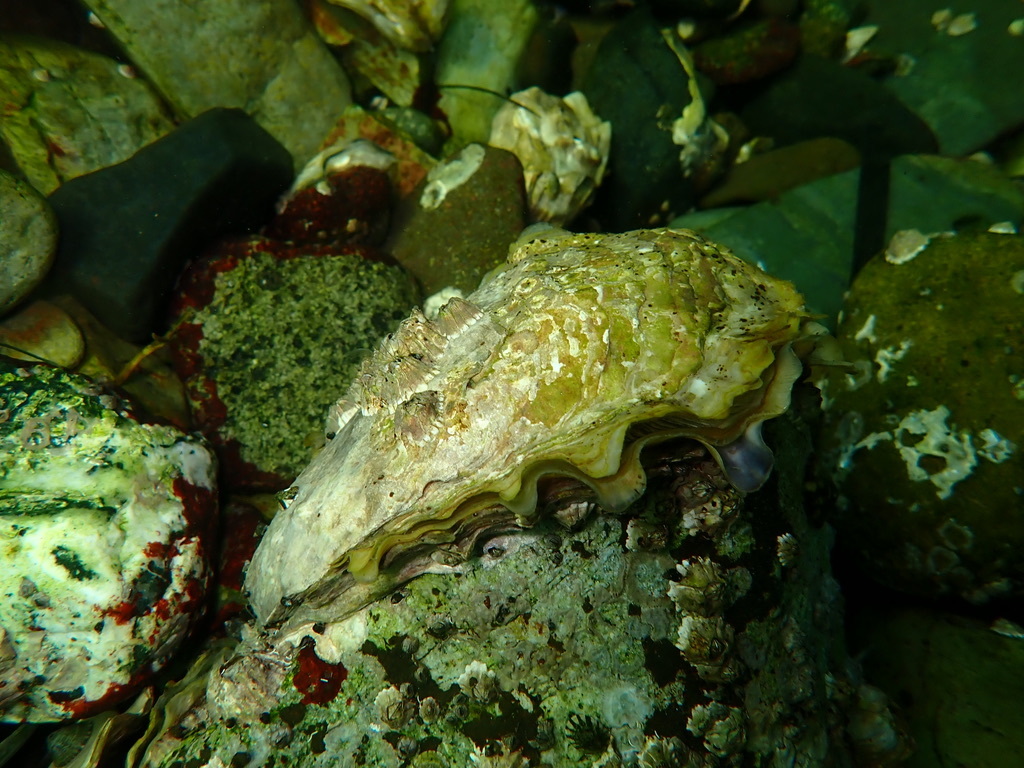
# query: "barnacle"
[587,734]
[563,365]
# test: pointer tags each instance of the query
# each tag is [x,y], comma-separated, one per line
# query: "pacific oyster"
[564,363]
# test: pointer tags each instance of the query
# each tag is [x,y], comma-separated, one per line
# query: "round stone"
[28,240]
[42,331]
[923,433]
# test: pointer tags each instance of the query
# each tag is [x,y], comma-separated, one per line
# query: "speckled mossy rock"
[68,112]
[925,434]
[262,56]
[265,334]
[694,630]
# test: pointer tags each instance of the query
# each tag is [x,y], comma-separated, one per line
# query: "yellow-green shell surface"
[565,361]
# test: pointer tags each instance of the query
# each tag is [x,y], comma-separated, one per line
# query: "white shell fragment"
[562,145]
[564,363]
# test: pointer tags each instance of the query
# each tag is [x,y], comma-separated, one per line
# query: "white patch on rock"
[937,439]
[1017,281]
[867,331]
[923,433]
[885,358]
[1003,228]
[449,176]
[996,448]
[905,245]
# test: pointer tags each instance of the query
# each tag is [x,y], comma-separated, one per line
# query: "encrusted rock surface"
[696,629]
[104,533]
[924,434]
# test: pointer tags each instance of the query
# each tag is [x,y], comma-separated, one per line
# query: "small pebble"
[42,332]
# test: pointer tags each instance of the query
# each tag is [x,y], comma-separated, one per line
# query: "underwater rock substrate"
[923,434]
[695,629]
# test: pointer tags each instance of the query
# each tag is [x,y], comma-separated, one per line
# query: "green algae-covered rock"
[477,60]
[924,432]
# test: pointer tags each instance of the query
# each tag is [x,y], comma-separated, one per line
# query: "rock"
[958,680]
[924,435]
[936,194]
[42,331]
[748,52]
[955,83]
[563,646]
[127,230]
[265,334]
[562,145]
[766,176]
[106,524]
[263,57]
[479,52]
[637,83]
[460,222]
[28,240]
[69,112]
[342,196]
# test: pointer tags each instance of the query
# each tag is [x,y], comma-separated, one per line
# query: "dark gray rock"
[127,230]
[637,83]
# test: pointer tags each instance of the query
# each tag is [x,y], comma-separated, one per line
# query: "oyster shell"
[564,363]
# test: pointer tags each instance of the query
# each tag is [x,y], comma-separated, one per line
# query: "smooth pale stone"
[479,52]
[42,331]
[28,240]
[260,55]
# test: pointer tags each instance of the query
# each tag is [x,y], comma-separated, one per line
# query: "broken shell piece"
[562,145]
[565,363]
[336,158]
[411,24]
